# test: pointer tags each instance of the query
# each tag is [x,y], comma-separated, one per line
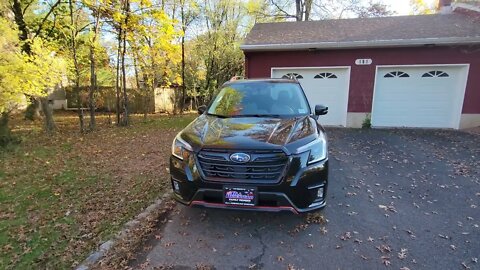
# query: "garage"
[322,85]
[380,72]
[419,96]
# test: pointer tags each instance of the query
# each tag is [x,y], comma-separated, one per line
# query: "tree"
[96,13]
[19,9]
[265,11]
[73,45]
[113,13]
[125,26]
[422,7]
[188,13]
[120,17]
[192,45]
[153,46]
[303,9]
[315,9]
[374,10]
[219,46]
[24,74]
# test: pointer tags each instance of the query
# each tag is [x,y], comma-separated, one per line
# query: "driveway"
[397,199]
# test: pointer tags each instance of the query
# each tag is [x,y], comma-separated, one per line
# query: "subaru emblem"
[240,157]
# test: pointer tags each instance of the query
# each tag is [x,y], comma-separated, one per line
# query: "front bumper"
[298,190]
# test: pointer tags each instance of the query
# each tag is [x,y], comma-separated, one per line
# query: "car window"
[260,98]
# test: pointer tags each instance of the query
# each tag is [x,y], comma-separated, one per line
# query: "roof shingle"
[365,32]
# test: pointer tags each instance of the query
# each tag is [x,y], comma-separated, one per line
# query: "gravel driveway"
[398,199]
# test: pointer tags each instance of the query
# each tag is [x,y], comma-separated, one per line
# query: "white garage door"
[326,86]
[426,96]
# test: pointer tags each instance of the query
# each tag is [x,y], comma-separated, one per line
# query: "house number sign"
[363,62]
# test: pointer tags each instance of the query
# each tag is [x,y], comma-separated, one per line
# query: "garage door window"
[325,75]
[396,74]
[292,76]
[435,73]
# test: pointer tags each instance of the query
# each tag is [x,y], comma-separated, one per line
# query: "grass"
[63,194]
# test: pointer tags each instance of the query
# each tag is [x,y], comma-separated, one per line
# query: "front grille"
[265,166]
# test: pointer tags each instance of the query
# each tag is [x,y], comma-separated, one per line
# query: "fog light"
[176,186]
[320,193]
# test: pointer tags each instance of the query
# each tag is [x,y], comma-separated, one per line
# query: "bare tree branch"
[27,6]
[288,15]
[52,8]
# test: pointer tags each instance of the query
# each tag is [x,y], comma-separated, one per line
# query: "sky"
[402,7]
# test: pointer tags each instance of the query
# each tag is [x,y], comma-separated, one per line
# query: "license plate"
[246,196]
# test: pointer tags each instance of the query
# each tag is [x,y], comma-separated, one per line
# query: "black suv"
[257,146]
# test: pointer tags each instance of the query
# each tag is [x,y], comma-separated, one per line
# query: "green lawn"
[62,195]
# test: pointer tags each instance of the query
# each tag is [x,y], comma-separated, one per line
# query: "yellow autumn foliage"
[21,74]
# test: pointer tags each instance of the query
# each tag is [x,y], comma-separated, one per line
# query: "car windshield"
[260,99]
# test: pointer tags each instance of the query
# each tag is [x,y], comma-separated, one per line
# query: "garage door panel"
[426,98]
[327,86]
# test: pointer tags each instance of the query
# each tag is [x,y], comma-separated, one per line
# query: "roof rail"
[236,78]
[290,76]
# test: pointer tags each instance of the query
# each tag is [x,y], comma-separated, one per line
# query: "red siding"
[362,78]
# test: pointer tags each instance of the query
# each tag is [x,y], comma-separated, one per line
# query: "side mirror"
[321,110]
[201,109]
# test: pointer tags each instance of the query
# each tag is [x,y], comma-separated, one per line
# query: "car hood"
[248,132]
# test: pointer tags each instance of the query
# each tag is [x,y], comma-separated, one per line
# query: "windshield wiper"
[218,115]
[259,115]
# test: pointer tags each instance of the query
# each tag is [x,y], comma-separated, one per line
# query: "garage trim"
[460,92]
[324,67]
[348,76]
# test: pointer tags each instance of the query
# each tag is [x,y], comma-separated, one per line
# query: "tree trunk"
[109,113]
[139,87]
[298,10]
[210,71]
[33,109]
[93,74]
[182,104]
[184,28]
[77,70]
[125,120]
[81,121]
[48,115]
[23,36]
[195,98]
[93,86]
[5,134]
[117,80]
[308,9]
[22,26]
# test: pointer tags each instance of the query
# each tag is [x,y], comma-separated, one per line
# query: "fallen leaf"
[386,260]
[346,236]
[384,248]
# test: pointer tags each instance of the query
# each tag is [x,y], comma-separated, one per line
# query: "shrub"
[367,122]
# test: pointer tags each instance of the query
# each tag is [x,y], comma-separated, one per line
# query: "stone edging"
[95,256]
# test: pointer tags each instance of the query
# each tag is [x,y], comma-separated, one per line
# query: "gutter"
[362,44]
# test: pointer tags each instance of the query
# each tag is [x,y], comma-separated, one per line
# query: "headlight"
[317,149]
[181,149]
